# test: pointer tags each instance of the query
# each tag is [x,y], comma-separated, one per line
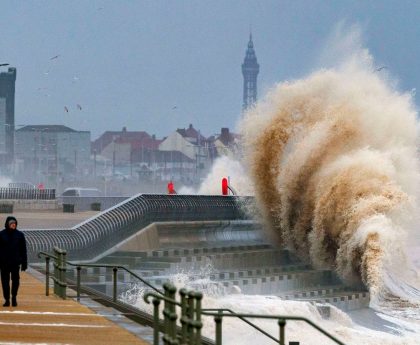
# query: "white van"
[76,191]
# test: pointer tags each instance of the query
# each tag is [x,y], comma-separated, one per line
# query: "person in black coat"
[12,258]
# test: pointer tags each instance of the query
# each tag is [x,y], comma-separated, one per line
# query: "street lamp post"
[113,159]
[75,163]
[131,162]
[94,163]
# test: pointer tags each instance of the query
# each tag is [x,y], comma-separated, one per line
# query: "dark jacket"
[12,247]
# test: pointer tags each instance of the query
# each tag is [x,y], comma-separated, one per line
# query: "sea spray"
[333,158]
[228,167]
[236,331]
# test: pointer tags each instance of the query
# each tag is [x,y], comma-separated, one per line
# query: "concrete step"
[346,300]
[153,275]
[237,261]
[135,261]
[207,250]
[273,284]
[316,293]
[257,272]
[225,261]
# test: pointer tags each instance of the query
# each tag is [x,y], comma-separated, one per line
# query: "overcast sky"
[159,65]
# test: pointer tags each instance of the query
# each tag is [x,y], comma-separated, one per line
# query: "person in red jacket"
[13,257]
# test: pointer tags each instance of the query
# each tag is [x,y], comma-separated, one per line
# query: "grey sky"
[130,63]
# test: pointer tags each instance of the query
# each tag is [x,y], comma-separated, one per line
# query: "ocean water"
[333,162]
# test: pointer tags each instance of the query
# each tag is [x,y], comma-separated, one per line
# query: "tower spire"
[250,69]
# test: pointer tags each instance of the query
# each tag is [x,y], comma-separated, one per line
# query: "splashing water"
[223,167]
[237,332]
[334,162]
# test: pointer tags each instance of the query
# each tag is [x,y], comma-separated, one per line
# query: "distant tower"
[250,69]
[7,116]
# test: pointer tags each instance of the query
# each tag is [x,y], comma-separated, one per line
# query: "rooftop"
[46,128]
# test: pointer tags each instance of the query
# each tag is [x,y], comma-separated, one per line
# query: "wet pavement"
[48,219]
[51,320]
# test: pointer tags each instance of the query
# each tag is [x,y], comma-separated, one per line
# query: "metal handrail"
[118,267]
[281,321]
[191,313]
[115,268]
[190,305]
[47,255]
[243,319]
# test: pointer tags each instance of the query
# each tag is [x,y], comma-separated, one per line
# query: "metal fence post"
[114,277]
[166,315]
[156,325]
[282,324]
[56,272]
[218,321]
[191,310]
[63,273]
[173,315]
[198,323]
[47,276]
[184,316]
[78,268]
[170,316]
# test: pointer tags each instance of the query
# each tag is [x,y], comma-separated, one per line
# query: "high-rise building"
[7,116]
[250,69]
[48,153]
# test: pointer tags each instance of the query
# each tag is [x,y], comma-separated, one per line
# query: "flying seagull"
[381,68]
[55,57]
[66,109]
[79,107]
[4,64]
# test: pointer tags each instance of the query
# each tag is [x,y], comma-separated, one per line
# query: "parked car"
[77,191]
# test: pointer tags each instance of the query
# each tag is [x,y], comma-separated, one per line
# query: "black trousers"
[8,272]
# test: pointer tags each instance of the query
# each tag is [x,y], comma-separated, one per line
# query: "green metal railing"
[60,269]
[191,319]
[189,303]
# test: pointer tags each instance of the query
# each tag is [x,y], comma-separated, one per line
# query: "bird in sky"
[381,68]
[79,107]
[55,57]
[66,109]
[174,107]
[4,64]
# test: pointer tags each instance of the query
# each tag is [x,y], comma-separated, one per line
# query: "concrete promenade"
[40,319]
[48,219]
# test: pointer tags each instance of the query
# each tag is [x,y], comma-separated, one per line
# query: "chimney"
[225,132]
[225,136]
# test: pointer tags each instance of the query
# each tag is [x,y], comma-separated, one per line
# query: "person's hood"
[8,219]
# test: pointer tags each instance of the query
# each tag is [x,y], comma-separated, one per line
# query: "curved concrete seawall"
[105,230]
